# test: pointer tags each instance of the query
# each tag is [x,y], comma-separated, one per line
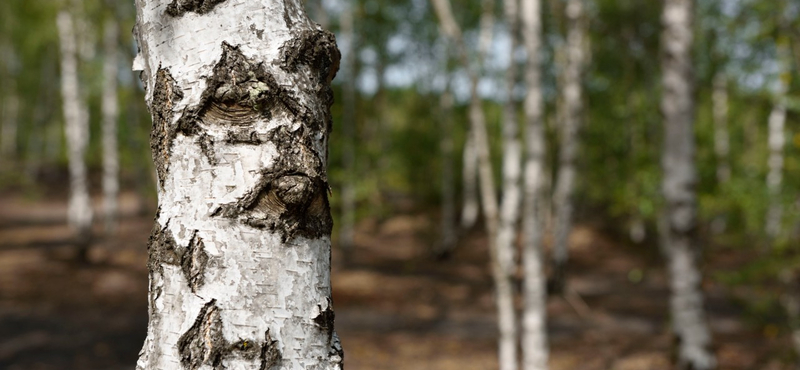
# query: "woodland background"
[406,298]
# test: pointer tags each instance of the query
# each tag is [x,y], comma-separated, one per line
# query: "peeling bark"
[679,181]
[240,97]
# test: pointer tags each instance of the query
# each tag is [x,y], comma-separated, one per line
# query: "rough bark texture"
[679,181]
[348,219]
[110,113]
[240,97]
[504,293]
[777,142]
[569,126]
[534,328]
[76,123]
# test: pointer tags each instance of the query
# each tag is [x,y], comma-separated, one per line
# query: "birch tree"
[110,112]
[76,124]
[534,326]
[572,97]
[239,257]
[679,180]
[777,140]
[501,274]
[719,102]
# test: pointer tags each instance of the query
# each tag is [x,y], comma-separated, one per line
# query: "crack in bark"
[161,248]
[270,354]
[193,262]
[203,343]
[180,7]
[165,93]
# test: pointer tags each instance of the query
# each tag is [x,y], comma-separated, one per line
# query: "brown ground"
[396,308]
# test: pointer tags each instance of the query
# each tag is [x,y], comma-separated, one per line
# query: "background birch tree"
[76,126]
[572,97]
[110,115]
[534,324]
[689,324]
[239,93]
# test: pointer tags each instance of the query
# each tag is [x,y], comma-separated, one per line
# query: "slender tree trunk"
[777,141]
[719,100]
[448,227]
[77,132]
[348,143]
[679,181]
[534,325]
[504,291]
[570,126]
[239,93]
[110,114]
[470,208]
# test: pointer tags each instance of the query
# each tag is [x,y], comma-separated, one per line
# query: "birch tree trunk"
[777,141]
[470,208]
[110,113]
[348,142]
[570,126]
[448,227]
[504,293]
[679,181]
[239,93]
[77,133]
[534,325]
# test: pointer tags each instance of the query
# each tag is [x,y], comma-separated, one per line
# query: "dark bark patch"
[314,48]
[270,354]
[203,343]
[325,318]
[194,261]
[180,7]
[165,93]
[162,249]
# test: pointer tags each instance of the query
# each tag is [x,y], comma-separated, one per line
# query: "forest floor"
[396,307]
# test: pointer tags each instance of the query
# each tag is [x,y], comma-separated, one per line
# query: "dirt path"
[396,308]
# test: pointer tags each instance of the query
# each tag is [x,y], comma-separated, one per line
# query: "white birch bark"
[110,111]
[470,208]
[679,181]
[348,143]
[239,92]
[504,293]
[777,141]
[534,325]
[77,131]
[572,98]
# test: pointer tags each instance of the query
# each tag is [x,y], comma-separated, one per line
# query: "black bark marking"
[270,354]
[194,261]
[165,93]
[180,7]
[161,249]
[286,18]
[203,343]
[325,318]
[291,198]
[207,147]
[317,50]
